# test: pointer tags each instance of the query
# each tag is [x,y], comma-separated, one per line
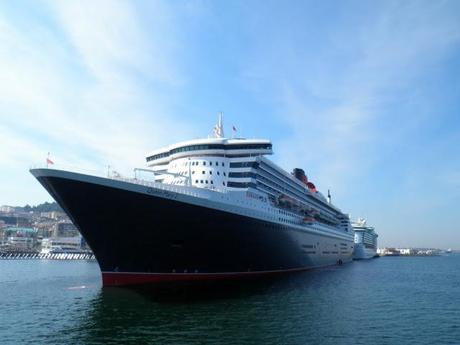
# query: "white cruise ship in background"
[206,209]
[365,240]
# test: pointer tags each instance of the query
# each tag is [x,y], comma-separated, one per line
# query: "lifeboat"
[286,201]
[309,220]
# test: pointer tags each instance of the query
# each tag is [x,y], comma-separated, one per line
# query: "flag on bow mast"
[48,160]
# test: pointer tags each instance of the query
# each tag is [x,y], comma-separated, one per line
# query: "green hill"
[45,207]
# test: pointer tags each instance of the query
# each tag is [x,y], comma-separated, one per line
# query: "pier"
[45,256]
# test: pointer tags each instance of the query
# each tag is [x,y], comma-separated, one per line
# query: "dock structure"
[45,256]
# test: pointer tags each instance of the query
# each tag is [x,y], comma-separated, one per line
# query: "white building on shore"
[7,209]
[20,242]
[61,244]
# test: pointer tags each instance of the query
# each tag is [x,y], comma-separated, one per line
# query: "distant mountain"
[45,207]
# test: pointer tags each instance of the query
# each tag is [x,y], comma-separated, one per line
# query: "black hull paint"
[135,235]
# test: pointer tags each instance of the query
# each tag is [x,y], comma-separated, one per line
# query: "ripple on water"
[384,301]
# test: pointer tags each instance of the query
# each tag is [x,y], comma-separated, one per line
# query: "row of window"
[284,187]
[244,164]
[210,163]
[292,187]
[158,156]
[211,147]
[210,172]
[281,183]
[241,184]
[242,174]
[206,182]
[195,163]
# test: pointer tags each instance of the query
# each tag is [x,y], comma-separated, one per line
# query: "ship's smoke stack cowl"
[300,175]
[311,187]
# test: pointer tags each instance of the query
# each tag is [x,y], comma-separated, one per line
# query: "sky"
[363,95]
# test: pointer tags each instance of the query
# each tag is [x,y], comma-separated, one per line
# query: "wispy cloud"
[363,101]
[363,96]
[113,43]
[92,82]
[335,98]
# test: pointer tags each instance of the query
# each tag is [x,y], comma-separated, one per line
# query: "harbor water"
[392,300]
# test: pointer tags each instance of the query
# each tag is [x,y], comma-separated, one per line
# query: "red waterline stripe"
[135,278]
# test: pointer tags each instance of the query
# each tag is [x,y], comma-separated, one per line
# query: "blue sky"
[364,95]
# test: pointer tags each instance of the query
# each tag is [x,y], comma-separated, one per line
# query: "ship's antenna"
[221,124]
[219,128]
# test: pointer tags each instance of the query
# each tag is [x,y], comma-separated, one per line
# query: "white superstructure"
[365,240]
[238,169]
[213,208]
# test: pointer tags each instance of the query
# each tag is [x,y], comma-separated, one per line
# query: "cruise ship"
[365,240]
[206,209]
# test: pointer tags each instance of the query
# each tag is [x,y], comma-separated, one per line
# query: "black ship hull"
[141,236]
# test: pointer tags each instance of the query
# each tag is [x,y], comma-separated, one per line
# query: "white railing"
[191,191]
[114,175]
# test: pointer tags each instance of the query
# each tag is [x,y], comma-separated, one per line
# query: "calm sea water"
[382,301]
